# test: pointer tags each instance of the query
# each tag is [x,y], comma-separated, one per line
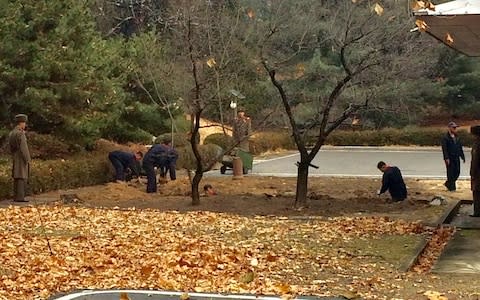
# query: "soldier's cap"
[21,118]
[475,130]
[453,125]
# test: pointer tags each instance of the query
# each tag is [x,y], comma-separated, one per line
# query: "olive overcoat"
[20,153]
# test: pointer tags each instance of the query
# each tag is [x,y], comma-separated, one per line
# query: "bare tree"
[345,49]
[206,32]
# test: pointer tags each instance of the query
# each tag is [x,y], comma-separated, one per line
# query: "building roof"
[455,23]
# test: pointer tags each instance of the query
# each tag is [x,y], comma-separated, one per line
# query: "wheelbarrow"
[246,157]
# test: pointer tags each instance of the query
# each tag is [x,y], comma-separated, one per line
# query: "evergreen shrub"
[123,133]
[180,139]
[209,153]
[270,141]
[220,139]
[45,146]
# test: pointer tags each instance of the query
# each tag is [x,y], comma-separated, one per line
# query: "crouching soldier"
[392,181]
[124,161]
[162,156]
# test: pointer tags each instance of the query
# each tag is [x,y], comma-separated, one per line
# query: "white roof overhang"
[455,23]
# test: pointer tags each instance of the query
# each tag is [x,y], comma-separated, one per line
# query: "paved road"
[362,161]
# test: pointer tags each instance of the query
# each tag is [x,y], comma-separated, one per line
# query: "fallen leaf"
[378,9]
[448,39]
[250,13]
[429,5]
[247,278]
[432,295]
[422,26]
[124,296]
[211,62]
[417,5]
[184,296]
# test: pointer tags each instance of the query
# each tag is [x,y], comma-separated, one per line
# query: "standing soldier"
[242,127]
[452,152]
[475,171]
[20,157]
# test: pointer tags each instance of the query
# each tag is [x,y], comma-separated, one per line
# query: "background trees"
[116,69]
[55,67]
[338,60]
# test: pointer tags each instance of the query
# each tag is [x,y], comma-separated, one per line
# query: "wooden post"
[237,168]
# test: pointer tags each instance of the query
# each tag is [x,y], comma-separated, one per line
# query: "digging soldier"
[392,181]
[475,171]
[125,162]
[162,156]
[20,157]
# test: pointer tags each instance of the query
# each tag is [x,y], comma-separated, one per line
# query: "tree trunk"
[195,183]
[302,185]
[198,159]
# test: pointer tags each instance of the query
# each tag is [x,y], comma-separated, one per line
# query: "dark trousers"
[476,203]
[453,171]
[151,177]
[19,189]
[119,168]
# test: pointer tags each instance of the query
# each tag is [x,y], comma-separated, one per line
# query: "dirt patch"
[328,197]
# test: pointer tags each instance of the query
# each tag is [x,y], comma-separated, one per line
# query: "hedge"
[220,139]
[81,169]
[259,142]
[270,141]
[86,169]
[387,137]
[274,140]
[51,175]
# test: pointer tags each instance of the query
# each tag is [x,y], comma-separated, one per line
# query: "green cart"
[246,157]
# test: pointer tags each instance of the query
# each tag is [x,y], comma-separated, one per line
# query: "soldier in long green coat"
[20,157]
[242,128]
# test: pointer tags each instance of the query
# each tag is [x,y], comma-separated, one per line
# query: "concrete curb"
[445,219]
[409,263]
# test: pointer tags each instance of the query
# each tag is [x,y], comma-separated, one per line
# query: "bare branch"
[288,109]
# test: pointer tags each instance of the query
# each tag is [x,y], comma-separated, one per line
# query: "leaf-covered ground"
[354,250]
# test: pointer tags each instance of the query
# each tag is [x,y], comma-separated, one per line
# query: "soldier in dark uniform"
[452,152]
[123,161]
[20,157]
[242,128]
[392,181]
[162,156]
[475,171]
